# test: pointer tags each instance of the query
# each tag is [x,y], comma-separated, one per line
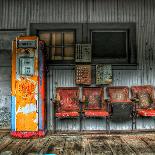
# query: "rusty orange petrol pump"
[28,100]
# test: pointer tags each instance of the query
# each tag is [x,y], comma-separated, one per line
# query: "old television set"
[113,43]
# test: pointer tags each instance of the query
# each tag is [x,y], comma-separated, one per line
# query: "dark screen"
[109,44]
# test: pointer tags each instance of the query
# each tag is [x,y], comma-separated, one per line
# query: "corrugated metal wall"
[17,14]
[5,74]
[6,38]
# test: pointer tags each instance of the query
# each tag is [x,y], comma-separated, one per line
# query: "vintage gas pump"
[28,101]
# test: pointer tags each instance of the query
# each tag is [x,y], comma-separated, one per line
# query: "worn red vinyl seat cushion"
[67,114]
[146,112]
[94,105]
[96,113]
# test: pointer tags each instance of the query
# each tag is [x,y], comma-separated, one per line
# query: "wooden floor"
[80,144]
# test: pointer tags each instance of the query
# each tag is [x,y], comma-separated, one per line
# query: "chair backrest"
[118,94]
[68,98]
[144,93]
[93,97]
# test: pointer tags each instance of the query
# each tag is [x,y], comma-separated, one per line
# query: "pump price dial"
[26,44]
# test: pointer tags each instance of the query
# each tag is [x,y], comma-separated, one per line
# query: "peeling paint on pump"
[26,85]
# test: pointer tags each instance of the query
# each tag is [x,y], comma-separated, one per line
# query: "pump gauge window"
[26,66]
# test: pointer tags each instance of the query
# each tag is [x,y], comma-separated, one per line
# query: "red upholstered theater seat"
[146,112]
[93,98]
[66,104]
[120,103]
[145,100]
[96,113]
[143,97]
[67,114]
[94,104]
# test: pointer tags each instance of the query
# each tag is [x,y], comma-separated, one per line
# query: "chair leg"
[135,120]
[132,122]
[54,125]
[80,123]
[135,124]
[107,124]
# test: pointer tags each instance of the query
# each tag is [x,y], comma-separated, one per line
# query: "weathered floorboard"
[81,144]
[36,146]
[137,144]
[4,142]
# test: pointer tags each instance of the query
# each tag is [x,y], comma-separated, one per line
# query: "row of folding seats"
[67,103]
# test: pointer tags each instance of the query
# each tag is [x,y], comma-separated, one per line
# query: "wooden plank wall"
[17,14]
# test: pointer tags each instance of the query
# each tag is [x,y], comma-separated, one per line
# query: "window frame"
[77,27]
[128,27]
[82,35]
[62,46]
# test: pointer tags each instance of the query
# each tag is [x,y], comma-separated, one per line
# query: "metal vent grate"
[83,53]
[83,74]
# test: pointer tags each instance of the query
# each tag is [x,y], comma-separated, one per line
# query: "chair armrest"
[80,106]
[56,104]
[153,104]
[107,100]
[54,101]
[135,100]
[108,105]
[80,103]
[153,100]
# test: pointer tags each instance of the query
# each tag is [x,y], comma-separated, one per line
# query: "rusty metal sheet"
[103,74]
[83,74]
